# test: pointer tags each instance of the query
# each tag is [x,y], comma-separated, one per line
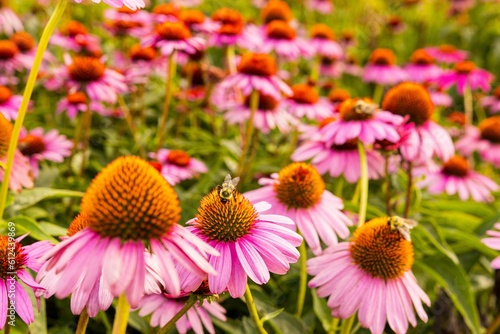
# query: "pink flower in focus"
[173,36]
[354,278]
[494,243]
[298,192]
[39,146]
[177,165]
[422,68]
[455,177]
[447,53]
[305,101]
[485,139]
[129,206]
[250,242]
[465,74]
[382,69]
[9,103]
[13,295]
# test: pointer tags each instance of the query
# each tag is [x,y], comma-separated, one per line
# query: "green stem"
[316,67]
[6,329]
[254,105]
[131,124]
[189,303]
[231,59]
[83,320]
[409,190]
[42,46]
[86,126]
[121,316]
[302,279]
[468,104]
[494,325]
[253,311]
[347,325]
[388,185]
[168,97]
[334,326]
[377,93]
[363,203]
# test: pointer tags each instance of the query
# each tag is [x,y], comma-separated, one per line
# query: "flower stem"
[253,311]
[347,325]
[189,303]
[388,185]
[231,59]
[6,329]
[334,326]
[301,296]
[468,104]
[494,325]
[316,68]
[377,93]
[408,191]
[28,90]
[83,320]
[254,104]
[171,67]
[86,125]
[363,203]
[131,124]
[121,316]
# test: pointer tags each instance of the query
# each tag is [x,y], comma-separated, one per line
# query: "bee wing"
[235,181]
[227,179]
[411,223]
[405,232]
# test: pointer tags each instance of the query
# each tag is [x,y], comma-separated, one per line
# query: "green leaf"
[322,311]
[455,282]
[25,224]
[31,197]
[434,234]
[470,241]
[271,315]
[53,229]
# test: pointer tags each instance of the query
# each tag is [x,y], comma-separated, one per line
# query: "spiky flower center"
[280,30]
[73,28]
[465,67]
[259,64]
[12,257]
[76,98]
[322,31]
[167,9]
[266,102]
[383,57]
[276,11]
[8,49]
[173,31]
[81,221]
[304,94]
[299,186]
[381,251]
[31,145]
[23,40]
[225,220]
[490,129]
[137,52]
[178,158]
[192,16]
[338,95]
[5,135]
[421,57]
[447,48]
[409,99]
[231,29]
[350,145]
[86,69]
[5,94]
[357,109]
[130,200]
[456,166]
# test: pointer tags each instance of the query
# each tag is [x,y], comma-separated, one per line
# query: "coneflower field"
[249,166]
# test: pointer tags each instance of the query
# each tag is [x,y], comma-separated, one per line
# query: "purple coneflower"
[371,275]
[166,12]
[231,30]
[15,259]
[298,192]
[177,165]
[323,42]
[169,37]
[455,177]
[465,74]
[9,22]
[73,103]
[382,69]
[447,53]
[130,206]
[39,146]
[305,101]
[485,139]
[492,102]
[332,67]
[438,96]
[127,22]
[250,242]
[9,103]
[493,242]
[196,21]
[421,67]
[322,6]
[132,4]
[75,36]
[11,59]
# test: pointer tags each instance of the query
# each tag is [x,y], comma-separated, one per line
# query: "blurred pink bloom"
[9,103]
[21,175]
[485,140]
[332,67]
[73,103]
[39,146]
[382,69]
[465,74]
[440,98]
[298,192]
[75,36]
[13,295]
[323,42]
[9,22]
[177,165]
[11,59]
[196,21]
[421,67]
[492,102]
[447,53]
[132,4]
[493,242]
[173,36]
[305,102]
[126,22]
[322,6]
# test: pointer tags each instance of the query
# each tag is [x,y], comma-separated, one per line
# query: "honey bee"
[403,225]
[366,108]
[228,187]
